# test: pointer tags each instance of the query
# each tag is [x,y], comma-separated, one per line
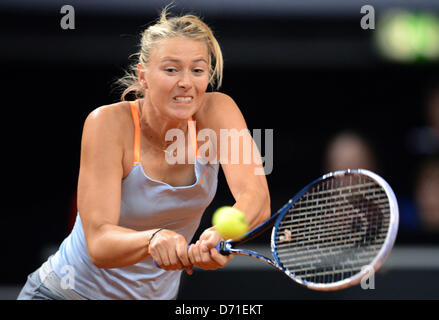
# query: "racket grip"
[222,248]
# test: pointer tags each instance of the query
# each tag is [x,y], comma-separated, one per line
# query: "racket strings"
[307,220]
[334,229]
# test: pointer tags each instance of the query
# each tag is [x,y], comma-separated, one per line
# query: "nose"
[185,81]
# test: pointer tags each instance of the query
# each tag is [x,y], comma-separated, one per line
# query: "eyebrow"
[178,60]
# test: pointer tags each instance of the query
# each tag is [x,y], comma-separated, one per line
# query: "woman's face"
[177,77]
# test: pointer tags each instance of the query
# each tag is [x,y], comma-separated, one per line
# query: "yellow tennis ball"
[230,222]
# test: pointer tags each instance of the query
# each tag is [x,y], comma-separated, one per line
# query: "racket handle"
[223,248]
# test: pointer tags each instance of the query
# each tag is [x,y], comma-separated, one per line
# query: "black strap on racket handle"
[221,247]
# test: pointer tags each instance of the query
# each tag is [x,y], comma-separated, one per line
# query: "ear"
[142,76]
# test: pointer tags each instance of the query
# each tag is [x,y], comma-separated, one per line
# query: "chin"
[182,113]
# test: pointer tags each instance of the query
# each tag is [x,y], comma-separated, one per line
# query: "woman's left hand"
[203,253]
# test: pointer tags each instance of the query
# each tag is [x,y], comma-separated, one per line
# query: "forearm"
[114,246]
[255,205]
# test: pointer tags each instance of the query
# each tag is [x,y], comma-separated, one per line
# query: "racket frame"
[229,246]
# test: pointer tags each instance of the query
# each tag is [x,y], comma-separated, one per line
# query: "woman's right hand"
[169,250]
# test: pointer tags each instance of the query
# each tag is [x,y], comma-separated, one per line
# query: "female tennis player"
[137,213]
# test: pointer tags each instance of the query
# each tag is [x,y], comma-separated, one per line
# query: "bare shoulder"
[111,119]
[218,101]
[115,112]
[219,109]
[104,139]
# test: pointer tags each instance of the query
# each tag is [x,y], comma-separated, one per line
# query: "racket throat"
[258,256]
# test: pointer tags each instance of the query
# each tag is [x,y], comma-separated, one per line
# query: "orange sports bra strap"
[135,114]
[193,135]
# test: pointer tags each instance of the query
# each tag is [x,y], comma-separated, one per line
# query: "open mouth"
[183,99]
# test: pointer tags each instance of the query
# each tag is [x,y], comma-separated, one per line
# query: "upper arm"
[101,170]
[241,162]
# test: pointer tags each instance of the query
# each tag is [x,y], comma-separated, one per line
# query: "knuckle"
[198,259]
[205,259]
[152,245]
[177,237]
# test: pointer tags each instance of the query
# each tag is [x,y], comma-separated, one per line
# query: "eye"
[170,69]
[198,70]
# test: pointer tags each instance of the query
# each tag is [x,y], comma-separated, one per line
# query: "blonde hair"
[188,26]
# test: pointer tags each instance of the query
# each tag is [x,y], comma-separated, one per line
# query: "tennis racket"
[330,235]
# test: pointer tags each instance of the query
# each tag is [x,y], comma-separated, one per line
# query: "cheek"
[160,86]
[201,84]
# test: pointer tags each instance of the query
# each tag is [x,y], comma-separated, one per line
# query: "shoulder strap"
[193,135]
[135,115]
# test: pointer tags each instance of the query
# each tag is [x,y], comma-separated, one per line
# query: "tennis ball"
[230,222]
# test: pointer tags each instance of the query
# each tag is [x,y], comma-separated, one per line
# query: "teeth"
[183,99]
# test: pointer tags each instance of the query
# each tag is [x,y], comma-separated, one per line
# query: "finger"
[190,253]
[206,260]
[196,252]
[194,257]
[164,259]
[220,259]
[175,254]
[182,254]
[189,270]
[158,261]
[210,243]
[174,261]
[204,246]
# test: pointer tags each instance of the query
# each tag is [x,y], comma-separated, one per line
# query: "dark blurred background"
[306,69]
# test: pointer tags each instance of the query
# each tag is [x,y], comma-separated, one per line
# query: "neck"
[155,125]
